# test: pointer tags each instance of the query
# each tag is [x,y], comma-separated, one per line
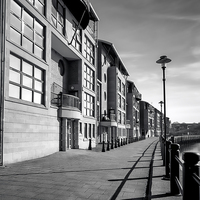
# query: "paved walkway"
[121,174]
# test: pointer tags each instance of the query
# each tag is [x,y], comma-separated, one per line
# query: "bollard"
[121,142]
[90,144]
[108,145]
[115,143]
[118,142]
[174,168]
[126,140]
[112,143]
[190,187]
[103,147]
[172,139]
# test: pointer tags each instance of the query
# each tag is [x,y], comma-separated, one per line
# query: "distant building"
[111,108]
[185,128]
[151,121]
[133,110]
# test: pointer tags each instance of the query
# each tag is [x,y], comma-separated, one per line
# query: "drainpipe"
[2,68]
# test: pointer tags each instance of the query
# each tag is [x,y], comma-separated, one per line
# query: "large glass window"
[77,41]
[123,89]
[25,81]
[123,103]
[91,28]
[26,31]
[85,130]
[57,16]
[89,51]
[119,101]
[88,105]
[90,130]
[123,118]
[93,130]
[119,84]
[88,77]
[119,117]
[39,5]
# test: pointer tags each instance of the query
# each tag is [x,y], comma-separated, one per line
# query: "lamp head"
[163,60]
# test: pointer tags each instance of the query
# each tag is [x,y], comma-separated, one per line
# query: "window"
[119,85]
[93,130]
[105,77]
[91,28]
[98,92]
[77,41]
[123,89]
[123,104]
[119,100]
[39,5]
[123,118]
[90,130]
[26,31]
[88,77]
[57,16]
[89,51]
[80,128]
[88,105]
[119,117]
[105,96]
[25,81]
[61,67]
[85,130]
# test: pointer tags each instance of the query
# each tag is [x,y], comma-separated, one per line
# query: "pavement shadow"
[59,172]
[152,197]
[126,178]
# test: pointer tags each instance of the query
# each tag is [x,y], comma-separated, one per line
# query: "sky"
[144,30]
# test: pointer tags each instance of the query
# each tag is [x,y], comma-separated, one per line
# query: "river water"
[190,148]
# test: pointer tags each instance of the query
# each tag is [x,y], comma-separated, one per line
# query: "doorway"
[70,134]
[62,143]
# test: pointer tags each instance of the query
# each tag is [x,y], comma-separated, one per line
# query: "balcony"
[108,121]
[128,124]
[138,97]
[69,106]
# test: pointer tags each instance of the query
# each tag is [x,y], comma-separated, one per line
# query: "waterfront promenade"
[129,172]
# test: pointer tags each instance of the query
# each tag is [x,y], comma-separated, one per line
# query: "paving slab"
[121,173]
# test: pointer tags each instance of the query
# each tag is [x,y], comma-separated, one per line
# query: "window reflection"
[25,30]
[25,81]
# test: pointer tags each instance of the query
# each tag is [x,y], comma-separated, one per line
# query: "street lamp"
[163,60]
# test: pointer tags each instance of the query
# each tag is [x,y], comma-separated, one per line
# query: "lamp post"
[163,60]
[161,124]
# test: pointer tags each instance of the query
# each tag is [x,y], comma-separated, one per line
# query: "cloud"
[130,55]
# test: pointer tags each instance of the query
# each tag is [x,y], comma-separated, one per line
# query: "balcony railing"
[106,117]
[70,101]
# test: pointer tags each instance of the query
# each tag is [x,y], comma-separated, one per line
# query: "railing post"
[172,139]
[174,168]
[167,176]
[190,187]
[162,141]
